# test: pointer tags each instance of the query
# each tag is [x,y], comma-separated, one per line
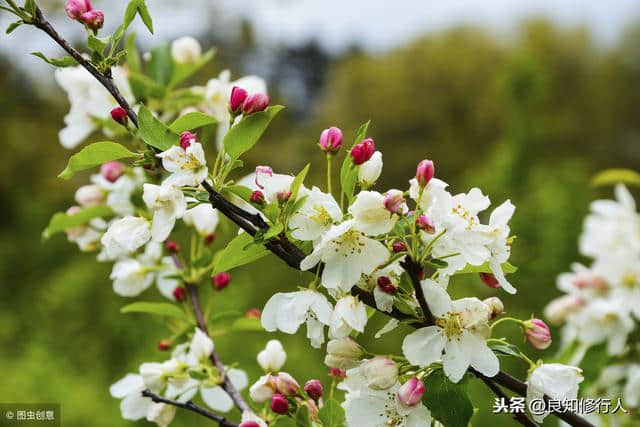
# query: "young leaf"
[133,56]
[448,402]
[161,64]
[297,182]
[349,171]
[154,132]
[93,155]
[160,308]
[615,176]
[241,191]
[592,363]
[65,61]
[191,121]
[244,135]
[273,231]
[240,251]
[507,268]
[97,44]
[332,414]
[506,349]
[181,72]
[247,324]
[303,418]
[143,11]
[62,221]
[13,26]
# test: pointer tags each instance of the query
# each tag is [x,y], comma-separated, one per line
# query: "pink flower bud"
[238,96]
[171,246]
[379,373]
[180,293]
[285,384]
[363,151]
[496,306]
[111,171]
[398,246]
[385,284]
[589,280]
[425,172]
[283,196]
[537,333]
[255,103]
[394,201]
[209,238]
[314,389]
[257,197]
[75,8]
[93,19]
[187,138]
[331,139]
[253,313]
[410,393]
[119,115]
[559,308]
[221,280]
[425,224]
[337,373]
[490,280]
[164,345]
[249,424]
[279,404]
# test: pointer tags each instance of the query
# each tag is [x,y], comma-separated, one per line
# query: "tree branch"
[190,406]
[521,417]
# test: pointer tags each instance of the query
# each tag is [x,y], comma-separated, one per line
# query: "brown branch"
[190,406]
[521,417]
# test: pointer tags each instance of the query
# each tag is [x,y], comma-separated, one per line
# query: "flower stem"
[329,157]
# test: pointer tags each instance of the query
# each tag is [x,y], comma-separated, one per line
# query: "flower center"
[321,216]
[463,213]
[191,162]
[451,325]
[349,243]
[629,280]
[393,418]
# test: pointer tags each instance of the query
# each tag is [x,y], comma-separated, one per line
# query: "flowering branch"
[190,406]
[521,417]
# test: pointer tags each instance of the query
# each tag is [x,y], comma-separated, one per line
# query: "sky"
[374,25]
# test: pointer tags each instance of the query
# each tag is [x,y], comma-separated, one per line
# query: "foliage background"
[530,119]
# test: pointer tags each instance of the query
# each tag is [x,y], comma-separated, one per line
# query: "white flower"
[212,394]
[460,330]
[161,413]
[168,204]
[133,406]
[374,408]
[559,382]
[120,191]
[185,50]
[164,280]
[316,216]
[188,167]
[87,237]
[203,217]
[348,314]
[271,184]
[272,357]
[603,320]
[500,247]
[89,195]
[130,277]
[250,416]
[287,311]
[262,389]
[632,387]
[90,102]
[200,348]
[347,254]
[370,170]
[126,235]
[369,214]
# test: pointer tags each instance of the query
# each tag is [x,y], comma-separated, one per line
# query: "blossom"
[348,314]
[379,373]
[168,204]
[188,166]
[603,320]
[410,393]
[255,103]
[185,50]
[318,213]
[370,215]
[424,172]
[347,254]
[287,311]
[331,140]
[133,406]
[89,195]
[120,190]
[459,331]
[500,247]
[203,217]
[559,382]
[125,236]
[272,357]
[343,353]
[370,170]
[314,389]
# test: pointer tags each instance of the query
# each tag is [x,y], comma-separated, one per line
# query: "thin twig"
[190,406]
[521,417]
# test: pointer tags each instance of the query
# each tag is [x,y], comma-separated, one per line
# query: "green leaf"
[240,251]
[93,155]
[11,28]
[349,171]
[507,268]
[437,263]
[97,44]
[283,421]
[30,6]
[145,86]
[143,11]
[566,356]
[133,56]
[245,134]
[593,361]
[448,402]
[506,349]
[65,61]
[161,64]
[615,176]
[302,417]
[191,121]
[332,414]
[154,132]
[272,211]
[62,221]
[273,231]
[160,308]
[241,191]
[247,324]
[181,72]
[297,182]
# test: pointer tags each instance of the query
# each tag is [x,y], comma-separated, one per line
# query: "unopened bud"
[279,404]
[425,224]
[111,171]
[186,138]
[589,280]
[75,8]
[89,195]
[380,373]
[490,280]
[410,393]
[238,96]
[93,19]
[119,115]
[314,389]
[253,313]
[180,293]
[496,306]
[337,373]
[344,353]
[398,247]
[249,424]
[424,172]
[221,280]
[386,285]
[559,308]
[283,196]
[255,103]
[363,151]
[257,197]
[172,246]
[164,345]
[394,202]
[331,139]
[209,238]
[537,333]
[285,384]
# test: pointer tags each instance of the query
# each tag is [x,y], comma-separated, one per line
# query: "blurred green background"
[530,119]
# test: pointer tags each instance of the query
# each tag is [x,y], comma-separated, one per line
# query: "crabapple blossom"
[379,373]
[75,8]
[559,382]
[537,333]
[93,19]
[167,204]
[410,393]
[424,172]
[185,50]
[238,95]
[203,217]
[125,236]
[331,140]
[188,166]
[279,404]
[314,389]
[255,103]
[343,353]
[348,314]
[395,203]
[370,170]
[319,212]
[370,214]
[363,151]
[272,357]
